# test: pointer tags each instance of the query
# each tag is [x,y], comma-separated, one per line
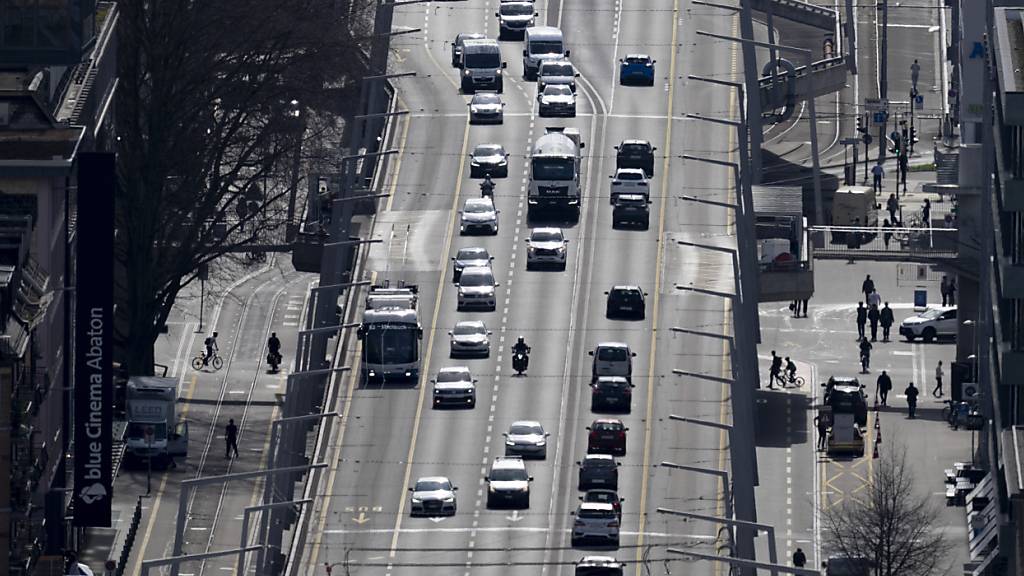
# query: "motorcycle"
[519,362]
[487,187]
[274,359]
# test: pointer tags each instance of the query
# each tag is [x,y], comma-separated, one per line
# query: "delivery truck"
[154,432]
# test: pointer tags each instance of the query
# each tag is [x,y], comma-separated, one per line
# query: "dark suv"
[611,394]
[635,154]
[626,302]
[607,436]
[631,209]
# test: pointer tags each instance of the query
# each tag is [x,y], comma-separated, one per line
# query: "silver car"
[470,338]
[547,247]
[508,484]
[478,215]
[526,438]
[596,521]
[629,181]
[454,386]
[486,108]
[432,496]
[557,72]
[466,257]
[476,289]
[488,159]
[556,100]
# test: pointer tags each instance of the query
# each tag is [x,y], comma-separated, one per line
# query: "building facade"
[57,81]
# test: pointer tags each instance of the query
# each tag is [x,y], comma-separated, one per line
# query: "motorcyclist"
[520,347]
[487,186]
[865,352]
[274,345]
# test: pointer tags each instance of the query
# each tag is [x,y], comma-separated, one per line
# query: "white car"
[432,496]
[508,484]
[454,386]
[514,18]
[476,288]
[630,181]
[938,322]
[470,338]
[478,215]
[596,521]
[547,246]
[612,359]
[526,438]
[486,108]
[556,100]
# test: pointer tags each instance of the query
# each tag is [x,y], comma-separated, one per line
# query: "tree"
[214,101]
[890,524]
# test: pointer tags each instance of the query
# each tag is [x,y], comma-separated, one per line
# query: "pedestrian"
[938,380]
[944,289]
[877,173]
[874,299]
[873,317]
[867,286]
[799,558]
[904,165]
[862,319]
[231,438]
[911,394]
[952,291]
[794,307]
[915,74]
[885,318]
[775,372]
[886,236]
[822,425]
[893,206]
[882,387]
[926,213]
[804,302]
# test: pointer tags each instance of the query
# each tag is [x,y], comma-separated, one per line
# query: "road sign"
[879,118]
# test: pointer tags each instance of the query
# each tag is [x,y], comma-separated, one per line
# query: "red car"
[607,436]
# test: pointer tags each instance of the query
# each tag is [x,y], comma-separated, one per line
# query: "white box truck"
[153,429]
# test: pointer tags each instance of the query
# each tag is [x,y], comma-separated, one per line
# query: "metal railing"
[895,244]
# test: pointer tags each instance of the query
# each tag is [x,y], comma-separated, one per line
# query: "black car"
[607,436]
[626,302]
[635,154]
[846,396]
[467,257]
[598,471]
[611,394]
[631,209]
[604,496]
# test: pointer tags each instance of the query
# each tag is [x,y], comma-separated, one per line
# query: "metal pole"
[740,524]
[722,474]
[740,562]
[752,77]
[819,211]
[202,302]
[240,571]
[883,65]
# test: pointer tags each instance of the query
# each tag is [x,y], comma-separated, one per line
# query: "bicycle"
[793,380]
[199,362]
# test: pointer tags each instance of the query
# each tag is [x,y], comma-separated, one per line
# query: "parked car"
[937,322]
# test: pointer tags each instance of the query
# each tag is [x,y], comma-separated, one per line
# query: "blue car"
[636,68]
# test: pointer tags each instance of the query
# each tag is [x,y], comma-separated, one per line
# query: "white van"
[541,43]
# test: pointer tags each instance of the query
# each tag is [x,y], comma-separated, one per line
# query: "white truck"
[154,433]
[555,165]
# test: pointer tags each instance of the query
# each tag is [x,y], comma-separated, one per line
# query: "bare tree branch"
[891,525]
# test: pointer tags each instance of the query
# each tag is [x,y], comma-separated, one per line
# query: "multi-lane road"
[390,436]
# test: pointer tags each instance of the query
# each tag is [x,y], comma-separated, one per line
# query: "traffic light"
[913,135]
[860,125]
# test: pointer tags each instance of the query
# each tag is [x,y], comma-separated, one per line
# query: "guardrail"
[801,71]
[892,244]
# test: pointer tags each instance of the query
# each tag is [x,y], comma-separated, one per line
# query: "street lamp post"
[740,524]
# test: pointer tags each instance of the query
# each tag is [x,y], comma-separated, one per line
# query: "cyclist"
[274,345]
[211,348]
[790,370]
[865,353]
